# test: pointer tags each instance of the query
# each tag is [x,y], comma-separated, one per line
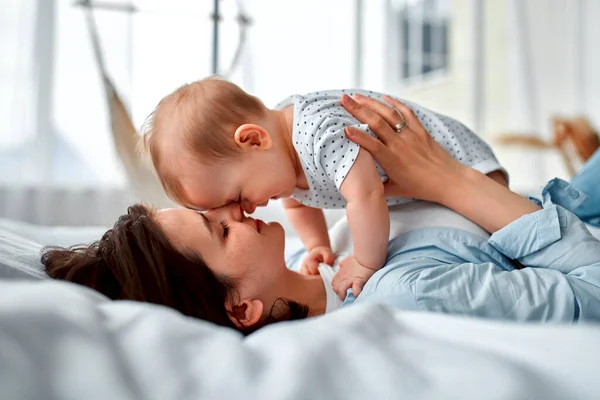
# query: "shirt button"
[574,194]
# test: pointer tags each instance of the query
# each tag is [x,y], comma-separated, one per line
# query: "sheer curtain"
[555,60]
[53,125]
[554,72]
[18,95]
[299,47]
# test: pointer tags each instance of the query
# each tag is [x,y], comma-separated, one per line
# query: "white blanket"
[61,341]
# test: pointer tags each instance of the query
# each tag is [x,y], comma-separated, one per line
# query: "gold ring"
[401,126]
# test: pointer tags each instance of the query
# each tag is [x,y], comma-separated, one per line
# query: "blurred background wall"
[500,66]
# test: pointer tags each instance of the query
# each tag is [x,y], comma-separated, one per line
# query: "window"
[423,31]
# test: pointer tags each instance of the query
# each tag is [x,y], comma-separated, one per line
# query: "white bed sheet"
[80,346]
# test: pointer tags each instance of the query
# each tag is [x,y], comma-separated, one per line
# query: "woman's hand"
[416,165]
[419,167]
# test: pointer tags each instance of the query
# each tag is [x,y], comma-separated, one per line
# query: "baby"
[211,143]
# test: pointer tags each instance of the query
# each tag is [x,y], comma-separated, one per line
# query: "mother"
[227,268]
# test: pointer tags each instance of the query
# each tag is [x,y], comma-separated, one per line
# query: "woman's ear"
[246,313]
[251,136]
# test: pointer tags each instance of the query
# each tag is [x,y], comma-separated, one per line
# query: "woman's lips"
[259,225]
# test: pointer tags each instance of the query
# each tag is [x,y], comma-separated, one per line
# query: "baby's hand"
[351,275]
[316,255]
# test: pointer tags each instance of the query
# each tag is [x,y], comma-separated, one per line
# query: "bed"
[62,341]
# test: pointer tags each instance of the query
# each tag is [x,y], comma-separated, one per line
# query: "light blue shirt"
[449,270]
[588,181]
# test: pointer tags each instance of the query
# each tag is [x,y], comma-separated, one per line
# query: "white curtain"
[555,61]
[554,66]
[299,47]
[18,83]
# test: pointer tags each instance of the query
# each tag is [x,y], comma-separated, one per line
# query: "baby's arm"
[309,223]
[369,222]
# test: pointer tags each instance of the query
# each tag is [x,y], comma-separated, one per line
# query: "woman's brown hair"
[135,261]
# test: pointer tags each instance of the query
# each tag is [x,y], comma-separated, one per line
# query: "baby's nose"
[249,207]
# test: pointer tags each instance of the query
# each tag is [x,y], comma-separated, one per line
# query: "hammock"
[140,172]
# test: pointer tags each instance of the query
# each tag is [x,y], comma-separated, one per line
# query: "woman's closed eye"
[225,227]
[209,223]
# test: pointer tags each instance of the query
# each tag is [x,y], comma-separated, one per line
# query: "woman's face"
[232,244]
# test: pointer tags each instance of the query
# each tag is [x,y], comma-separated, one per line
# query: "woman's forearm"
[484,201]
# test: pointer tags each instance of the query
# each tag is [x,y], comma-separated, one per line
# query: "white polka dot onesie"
[327,155]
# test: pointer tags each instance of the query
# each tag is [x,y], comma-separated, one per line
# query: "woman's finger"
[380,126]
[364,140]
[391,115]
[380,152]
[406,112]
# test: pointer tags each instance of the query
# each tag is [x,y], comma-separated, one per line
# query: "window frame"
[398,50]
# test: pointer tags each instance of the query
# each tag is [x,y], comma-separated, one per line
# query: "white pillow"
[21,246]
[19,257]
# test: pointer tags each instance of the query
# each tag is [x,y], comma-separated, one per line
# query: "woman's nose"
[237,211]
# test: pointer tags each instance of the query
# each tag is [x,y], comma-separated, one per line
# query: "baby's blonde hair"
[204,114]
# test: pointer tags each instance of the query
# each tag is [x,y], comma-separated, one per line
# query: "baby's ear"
[251,136]
[246,313]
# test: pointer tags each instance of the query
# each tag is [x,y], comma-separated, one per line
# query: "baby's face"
[251,179]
